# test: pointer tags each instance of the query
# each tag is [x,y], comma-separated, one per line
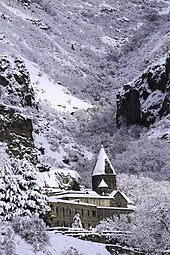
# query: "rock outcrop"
[16,95]
[146,99]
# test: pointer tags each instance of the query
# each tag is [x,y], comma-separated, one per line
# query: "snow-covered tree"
[148,228]
[148,156]
[121,223]
[151,226]
[20,194]
[140,187]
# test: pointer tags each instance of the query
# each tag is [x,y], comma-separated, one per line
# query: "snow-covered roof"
[50,179]
[114,192]
[56,200]
[118,208]
[103,184]
[80,194]
[102,164]
[77,195]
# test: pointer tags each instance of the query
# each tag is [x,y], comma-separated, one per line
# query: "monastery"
[104,200]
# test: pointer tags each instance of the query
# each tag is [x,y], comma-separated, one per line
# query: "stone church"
[104,200]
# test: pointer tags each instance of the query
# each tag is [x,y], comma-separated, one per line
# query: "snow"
[53,94]
[100,164]
[103,184]
[153,99]
[17,12]
[166,10]
[113,42]
[77,194]
[160,129]
[59,243]
[42,142]
[118,191]
[64,195]
[88,154]
[49,179]
[77,202]
[110,41]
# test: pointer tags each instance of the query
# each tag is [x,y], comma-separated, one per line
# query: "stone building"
[104,200]
[103,176]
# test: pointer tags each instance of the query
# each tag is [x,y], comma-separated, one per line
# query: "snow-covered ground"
[59,244]
[55,95]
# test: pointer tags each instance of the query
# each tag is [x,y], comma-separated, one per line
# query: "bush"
[6,240]
[32,229]
[71,251]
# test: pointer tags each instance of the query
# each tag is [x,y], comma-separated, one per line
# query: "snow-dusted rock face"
[16,96]
[15,85]
[147,98]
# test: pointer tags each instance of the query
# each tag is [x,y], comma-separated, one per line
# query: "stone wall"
[110,180]
[63,213]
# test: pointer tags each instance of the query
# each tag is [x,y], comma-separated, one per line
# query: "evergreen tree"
[20,194]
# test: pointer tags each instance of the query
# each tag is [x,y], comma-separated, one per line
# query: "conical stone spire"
[103,164]
[103,175]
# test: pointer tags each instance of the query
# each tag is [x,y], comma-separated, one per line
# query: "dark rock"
[157,79]
[16,82]
[28,100]
[3,80]
[42,150]
[21,79]
[15,129]
[165,109]
[147,99]
[167,71]
[128,107]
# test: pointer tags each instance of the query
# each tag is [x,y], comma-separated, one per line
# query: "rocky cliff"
[146,99]
[16,97]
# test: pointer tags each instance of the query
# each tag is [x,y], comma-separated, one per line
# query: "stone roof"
[103,184]
[103,164]
[113,194]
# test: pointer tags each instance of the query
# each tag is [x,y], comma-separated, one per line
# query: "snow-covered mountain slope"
[161,129]
[34,118]
[86,44]
[53,94]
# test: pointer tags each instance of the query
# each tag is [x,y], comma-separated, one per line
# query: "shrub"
[32,229]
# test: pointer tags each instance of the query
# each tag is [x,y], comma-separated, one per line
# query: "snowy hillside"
[85,45]
[53,94]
